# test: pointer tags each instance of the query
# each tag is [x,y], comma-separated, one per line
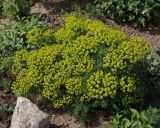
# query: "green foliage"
[6,64]
[83,110]
[13,38]
[13,35]
[38,37]
[5,84]
[0,3]
[5,72]
[152,64]
[6,107]
[135,120]
[87,62]
[154,116]
[139,12]
[80,110]
[16,8]
[91,9]
[153,61]
[148,118]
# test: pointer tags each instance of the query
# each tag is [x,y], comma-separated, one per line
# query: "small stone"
[39,8]
[28,115]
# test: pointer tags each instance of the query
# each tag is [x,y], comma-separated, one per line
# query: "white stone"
[28,115]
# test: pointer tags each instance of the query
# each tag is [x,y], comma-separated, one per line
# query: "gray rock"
[28,115]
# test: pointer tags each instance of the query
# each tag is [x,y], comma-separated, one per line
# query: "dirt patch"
[5,118]
[64,121]
[99,119]
[55,6]
[150,33]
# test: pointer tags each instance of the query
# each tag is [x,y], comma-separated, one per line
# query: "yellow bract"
[34,35]
[37,37]
[88,61]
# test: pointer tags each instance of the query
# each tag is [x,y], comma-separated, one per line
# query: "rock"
[39,8]
[28,115]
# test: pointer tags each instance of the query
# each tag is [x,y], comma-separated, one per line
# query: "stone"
[39,8]
[28,115]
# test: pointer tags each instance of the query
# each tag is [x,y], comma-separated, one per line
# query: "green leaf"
[135,114]
[125,123]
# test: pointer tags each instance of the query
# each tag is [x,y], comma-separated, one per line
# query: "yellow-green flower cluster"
[100,85]
[125,54]
[19,61]
[89,61]
[127,84]
[34,35]
[38,37]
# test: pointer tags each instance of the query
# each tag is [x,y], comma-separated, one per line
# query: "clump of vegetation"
[5,84]
[148,118]
[38,37]
[154,116]
[13,34]
[138,12]
[16,8]
[153,67]
[6,107]
[13,38]
[83,65]
[135,120]
[88,62]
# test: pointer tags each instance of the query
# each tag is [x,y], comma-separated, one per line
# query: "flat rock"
[28,115]
[39,8]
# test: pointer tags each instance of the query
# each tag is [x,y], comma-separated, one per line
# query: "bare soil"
[150,33]
[62,120]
